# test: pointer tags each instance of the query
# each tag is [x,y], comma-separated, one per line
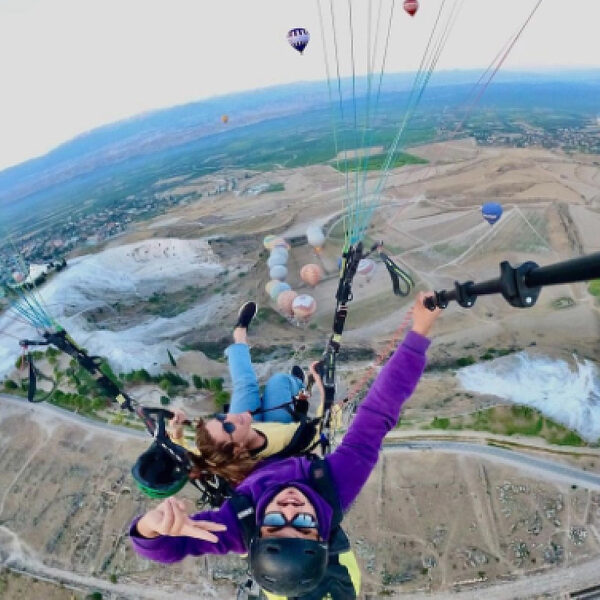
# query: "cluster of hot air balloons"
[293,305]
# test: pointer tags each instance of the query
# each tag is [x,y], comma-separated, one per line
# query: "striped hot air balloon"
[411,7]
[298,38]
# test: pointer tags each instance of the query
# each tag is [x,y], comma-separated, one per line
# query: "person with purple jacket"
[295,519]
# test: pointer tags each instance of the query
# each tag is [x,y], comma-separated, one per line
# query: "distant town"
[40,250]
[87,228]
[569,139]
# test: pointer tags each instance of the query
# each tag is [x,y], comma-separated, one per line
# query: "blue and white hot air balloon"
[298,38]
[491,211]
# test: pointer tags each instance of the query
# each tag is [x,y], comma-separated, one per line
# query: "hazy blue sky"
[70,65]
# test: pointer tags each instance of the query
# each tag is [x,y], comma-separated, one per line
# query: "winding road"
[540,466]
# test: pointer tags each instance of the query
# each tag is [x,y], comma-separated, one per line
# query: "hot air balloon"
[268,241]
[285,301]
[304,307]
[278,272]
[311,274]
[277,258]
[270,284]
[298,38]
[411,7]
[491,211]
[279,287]
[225,118]
[274,241]
[280,251]
[365,267]
[315,237]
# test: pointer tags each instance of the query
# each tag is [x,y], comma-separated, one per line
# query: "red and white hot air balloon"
[304,307]
[411,7]
[311,274]
[365,267]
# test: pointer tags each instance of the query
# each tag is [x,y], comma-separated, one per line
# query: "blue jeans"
[245,396]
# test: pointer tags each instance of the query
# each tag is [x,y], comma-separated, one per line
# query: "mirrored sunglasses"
[299,521]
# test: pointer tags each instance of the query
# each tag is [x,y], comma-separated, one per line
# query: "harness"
[337,581]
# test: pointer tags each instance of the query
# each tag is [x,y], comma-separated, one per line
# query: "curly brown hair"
[225,459]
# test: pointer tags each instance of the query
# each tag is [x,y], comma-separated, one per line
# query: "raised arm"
[355,458]
[168,534]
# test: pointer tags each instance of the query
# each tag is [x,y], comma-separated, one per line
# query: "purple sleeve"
[166,549]
[352,462]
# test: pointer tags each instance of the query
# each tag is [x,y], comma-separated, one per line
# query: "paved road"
[542,467]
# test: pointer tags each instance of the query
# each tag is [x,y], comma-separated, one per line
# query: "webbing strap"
[244,511]
[322,482]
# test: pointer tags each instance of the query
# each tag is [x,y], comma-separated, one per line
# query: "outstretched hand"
[170,518]
[423,318]
[176,423]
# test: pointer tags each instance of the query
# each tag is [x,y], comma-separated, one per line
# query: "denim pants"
[280,388]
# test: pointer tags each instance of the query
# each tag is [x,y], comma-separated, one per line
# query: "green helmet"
[160,472]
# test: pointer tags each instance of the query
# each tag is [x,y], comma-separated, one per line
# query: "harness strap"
[244,511]
[322,482]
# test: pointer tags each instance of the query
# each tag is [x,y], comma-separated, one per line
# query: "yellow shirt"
[278,436]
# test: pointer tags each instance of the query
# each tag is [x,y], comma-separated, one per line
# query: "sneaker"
[245,315]
[298,373]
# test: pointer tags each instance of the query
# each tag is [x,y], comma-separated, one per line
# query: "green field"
[511,420]
[376,163]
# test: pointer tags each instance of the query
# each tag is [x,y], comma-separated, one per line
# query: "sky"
[69,66]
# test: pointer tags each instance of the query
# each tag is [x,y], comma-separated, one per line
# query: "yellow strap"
[270,596]
[348,560]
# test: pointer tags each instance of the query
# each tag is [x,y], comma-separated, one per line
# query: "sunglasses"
[228,426]
[279,521]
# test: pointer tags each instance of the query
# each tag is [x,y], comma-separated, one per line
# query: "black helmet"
[160,472]
[288,566]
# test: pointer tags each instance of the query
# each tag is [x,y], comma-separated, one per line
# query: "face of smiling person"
[240,436]
[290,501]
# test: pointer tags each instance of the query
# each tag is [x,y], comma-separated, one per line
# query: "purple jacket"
[350,464]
